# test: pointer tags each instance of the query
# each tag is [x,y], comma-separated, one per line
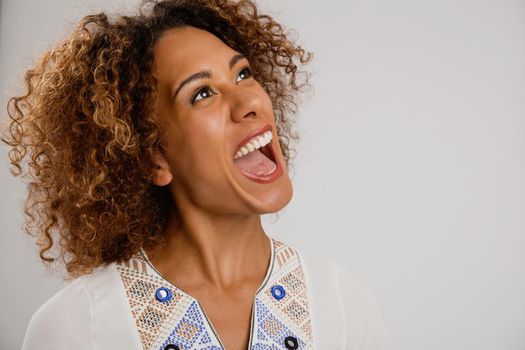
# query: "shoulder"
[335,277]
[63,321]
[91,309]
[343,299]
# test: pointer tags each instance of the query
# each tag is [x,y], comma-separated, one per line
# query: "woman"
[156,141]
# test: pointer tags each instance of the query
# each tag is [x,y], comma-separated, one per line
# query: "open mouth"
[256,159]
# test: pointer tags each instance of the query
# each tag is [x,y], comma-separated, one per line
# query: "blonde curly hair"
[86,125]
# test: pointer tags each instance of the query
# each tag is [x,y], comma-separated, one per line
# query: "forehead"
[186,50]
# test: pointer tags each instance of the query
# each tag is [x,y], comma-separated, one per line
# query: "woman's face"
[210,108]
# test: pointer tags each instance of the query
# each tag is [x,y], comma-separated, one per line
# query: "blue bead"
[163,294]
[278,292]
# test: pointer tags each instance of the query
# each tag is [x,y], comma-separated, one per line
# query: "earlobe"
[162,175]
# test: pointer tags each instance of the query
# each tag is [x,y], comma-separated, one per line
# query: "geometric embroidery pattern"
[178,321]
[182,321]
[190,332]
[278,318]
[273,331]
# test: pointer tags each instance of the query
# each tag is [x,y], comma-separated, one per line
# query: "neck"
[210,249]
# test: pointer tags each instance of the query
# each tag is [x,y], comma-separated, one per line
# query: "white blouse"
[304,302]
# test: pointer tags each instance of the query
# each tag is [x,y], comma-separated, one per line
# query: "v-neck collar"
[166,315]
[265,280]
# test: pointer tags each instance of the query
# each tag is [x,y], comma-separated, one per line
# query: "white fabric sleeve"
[364,324]
[63,322]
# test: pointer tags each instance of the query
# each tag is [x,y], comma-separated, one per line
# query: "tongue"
[255,163]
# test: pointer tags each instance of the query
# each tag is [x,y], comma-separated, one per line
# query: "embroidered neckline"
[164,314]
[210,324]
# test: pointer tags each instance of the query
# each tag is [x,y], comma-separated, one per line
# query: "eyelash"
[247,69]
[202,89]
[207,88]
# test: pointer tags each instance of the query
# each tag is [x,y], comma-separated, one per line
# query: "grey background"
[411,169]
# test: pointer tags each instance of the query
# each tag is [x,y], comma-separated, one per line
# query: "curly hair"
[86,125]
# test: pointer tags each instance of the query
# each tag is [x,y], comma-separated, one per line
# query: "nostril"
[250,114]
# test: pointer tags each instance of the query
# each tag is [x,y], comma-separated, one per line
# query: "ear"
[162,175]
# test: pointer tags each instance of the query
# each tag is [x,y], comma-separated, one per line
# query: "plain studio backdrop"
[411,168]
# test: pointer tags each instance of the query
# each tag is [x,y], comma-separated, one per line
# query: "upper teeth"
[255,143]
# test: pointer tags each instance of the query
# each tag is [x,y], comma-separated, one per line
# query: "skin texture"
[216,248]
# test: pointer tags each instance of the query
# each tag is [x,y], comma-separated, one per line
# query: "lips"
[259,164]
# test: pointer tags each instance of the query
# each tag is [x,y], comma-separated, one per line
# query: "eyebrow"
[205,74]
[236,59]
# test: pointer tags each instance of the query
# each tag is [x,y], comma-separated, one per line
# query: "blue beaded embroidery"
[163,294]
[278,292]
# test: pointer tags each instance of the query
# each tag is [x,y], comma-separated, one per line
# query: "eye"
[244,73]
[202,93]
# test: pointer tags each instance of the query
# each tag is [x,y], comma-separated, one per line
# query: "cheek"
[199,146]
[267,102]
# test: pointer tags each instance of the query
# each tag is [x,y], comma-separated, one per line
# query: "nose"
[245,103]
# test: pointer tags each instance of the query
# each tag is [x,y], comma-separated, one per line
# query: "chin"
[277,198]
